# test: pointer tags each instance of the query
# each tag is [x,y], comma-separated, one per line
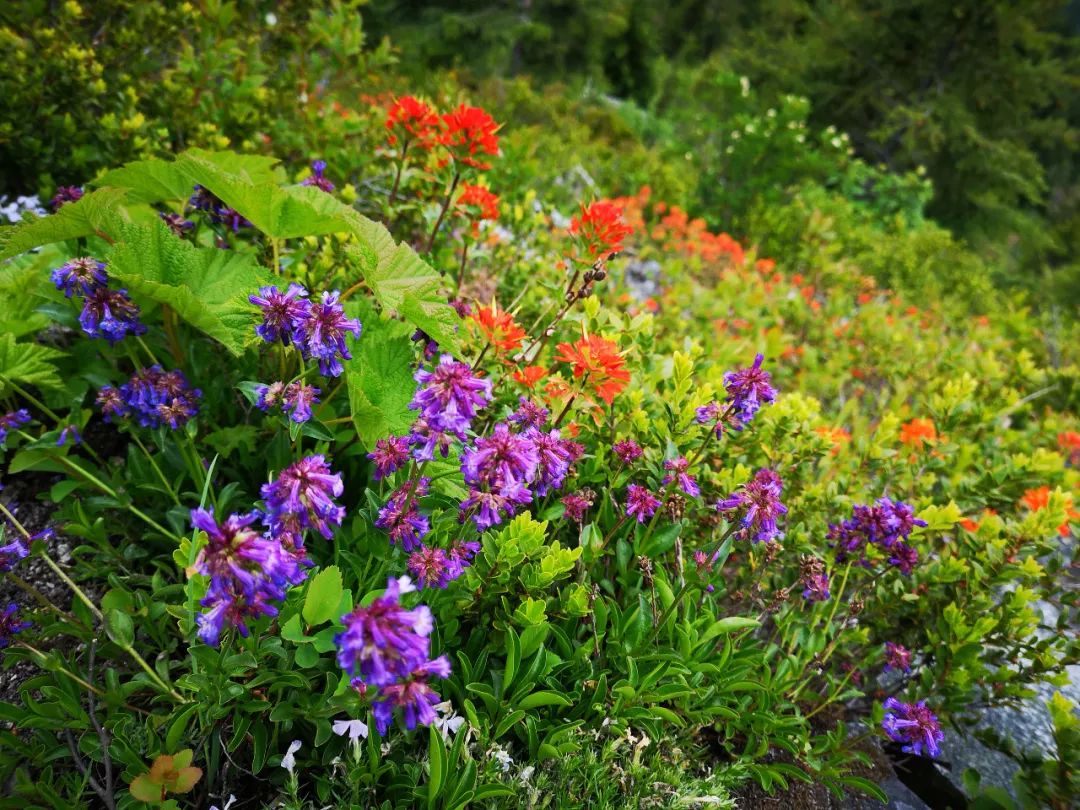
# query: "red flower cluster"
[469,132]
[412,119]
[600,228]
[498,328]
[600,359]
[485,203]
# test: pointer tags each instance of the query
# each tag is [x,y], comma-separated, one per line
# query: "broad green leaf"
[208,288]
[323,595]
[28,364]
[99,211]
[380,380]
[120,628]
[25,285]
[158,180]
[543,698]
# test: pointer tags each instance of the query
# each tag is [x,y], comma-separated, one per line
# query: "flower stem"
[30,398]
[442,213]
[397,176]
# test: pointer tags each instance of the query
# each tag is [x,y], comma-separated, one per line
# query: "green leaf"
[379,379]
[28,364]
[208,288]
[323,595]
[120,628]
[99,211]
[730,624]
[866,786]
[144,790]
[436,765]
[25,286]
[543,698]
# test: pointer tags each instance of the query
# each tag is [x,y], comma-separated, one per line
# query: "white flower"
[503,759]
[405,585]
[288,762]
[526,773]
[447,720]
[354,728]
[744,82]
[271,19]
[228,804]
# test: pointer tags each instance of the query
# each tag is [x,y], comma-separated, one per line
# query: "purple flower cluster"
[390,455]
[10,624]
[106,313]
[220,214]
[387,646]
[154,397]
[295,399]
[437,568]
[401,518]
[449,396]
[641,503]
[249,572]
[577,504]
[528,414]
[69,433]
[914,725]
[759,502]
[318,178]
[814,579]
[12,420]
[677,471]
[627,450]
[316,328]
[12,552]
[897,657]
[176,223]
[747,390]
[711,414]
[65,195]
[887,524]
[302,497]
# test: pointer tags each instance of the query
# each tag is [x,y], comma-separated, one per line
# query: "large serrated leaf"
[25,285]
[28,364]
[158,180]
[208,288]
[99,211]
[379,377]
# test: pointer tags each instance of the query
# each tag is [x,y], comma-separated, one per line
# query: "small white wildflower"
[504,759]
[526,773]
[447,721]
[271,19]
[288,762]
[744,82]
[355,729]
[405,585]
[228,804]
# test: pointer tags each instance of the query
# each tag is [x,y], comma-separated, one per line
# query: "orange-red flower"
[530,375]
[1039,498]
[918,432]
[498,328]
[1069,442]
[469,132]
[478,202]
[411,118]
[600,359]
[973,525]
[836,436]
[600,228]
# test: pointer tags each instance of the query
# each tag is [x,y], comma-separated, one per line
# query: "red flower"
[530,375]
[412,118]
[600,359]
[918,432]
[468,132]
[478,197]
[1039,498]
[600,228]
[498,328]
[1069,442]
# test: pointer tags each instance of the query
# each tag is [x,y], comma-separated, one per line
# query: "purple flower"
[110,314]
[816,588]
[528,414]
[176,223]
[914,725]
[627,450]
[449,396]
[65,195]
[317,179]
[904,557]
[69,432]
[415,698]
[384,642]
[154,396]
[490,505]
[10,624]
[435,568]
[283,313]
[425,440]
[430,347]
[12,420]
[897,657]
[205,200]
[710,415]
[298,399]
[322,334]
[748,389]
[12,552]
[269,396]
[500,458]
[400,517]
[577,504]
[80,276]
[460,554]
[248,572]
[390,455]
[759,502]
[555,456]
[677,470]
[305,492]
[640,503]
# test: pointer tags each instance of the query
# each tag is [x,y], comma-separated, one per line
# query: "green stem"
[37,403]
[157,469]
[442,213]
[42,600]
